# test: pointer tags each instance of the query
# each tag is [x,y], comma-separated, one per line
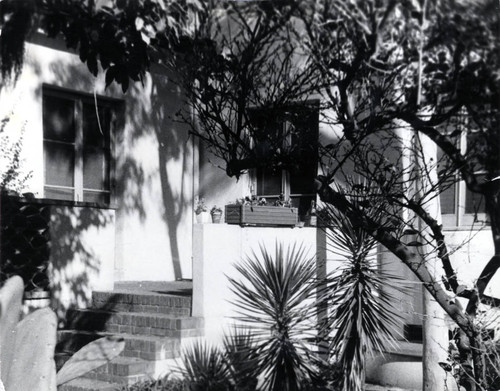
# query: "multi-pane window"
[77,134]
[297,131]
[460,206]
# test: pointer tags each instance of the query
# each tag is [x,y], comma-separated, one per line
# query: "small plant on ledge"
[200,206]
[200,210]
[216,214]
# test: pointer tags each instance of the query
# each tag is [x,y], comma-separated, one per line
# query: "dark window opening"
[77,147]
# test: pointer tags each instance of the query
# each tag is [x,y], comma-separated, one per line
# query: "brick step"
[115,379]
[83,384]
[123,370]
[141,346]
[127,366]
[183,287]
[165,325]
[150,302]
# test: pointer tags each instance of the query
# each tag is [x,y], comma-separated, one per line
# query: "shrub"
[164,384]
[272,300]
[362,316]
[12,177]
[241,357]
[205,368]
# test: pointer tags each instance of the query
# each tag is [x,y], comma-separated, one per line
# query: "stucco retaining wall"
[217,247]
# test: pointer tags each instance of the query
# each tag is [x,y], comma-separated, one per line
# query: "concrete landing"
[374,387]
[181,287]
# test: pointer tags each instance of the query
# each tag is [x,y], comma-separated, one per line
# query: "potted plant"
[256,211]
[200,210]
[216,214]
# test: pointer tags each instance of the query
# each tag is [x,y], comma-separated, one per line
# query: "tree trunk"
[399,249]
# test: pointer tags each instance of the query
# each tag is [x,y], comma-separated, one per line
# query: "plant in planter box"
[216,214]
[251,200]
[256,211]
[282,202]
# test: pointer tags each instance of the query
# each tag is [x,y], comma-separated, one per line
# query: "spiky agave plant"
[241,355]
[363,318]
[208,368]
[272,299]
[204,368]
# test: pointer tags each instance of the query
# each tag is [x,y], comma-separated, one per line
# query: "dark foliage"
[120,37]
[25,239]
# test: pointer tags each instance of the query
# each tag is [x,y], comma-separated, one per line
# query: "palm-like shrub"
[362,315]
[204,368]
[208,368]
[273,299]
[241,357]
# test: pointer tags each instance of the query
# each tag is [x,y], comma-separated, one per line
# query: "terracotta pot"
[216,217]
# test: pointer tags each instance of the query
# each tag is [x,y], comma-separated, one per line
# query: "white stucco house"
[125,181]
[120,179]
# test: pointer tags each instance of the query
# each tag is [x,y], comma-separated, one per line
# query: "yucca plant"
[362,318]
[204,368]
[273,300]
[241,355]
[208,368]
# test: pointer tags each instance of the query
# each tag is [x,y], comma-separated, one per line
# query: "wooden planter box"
[261,215]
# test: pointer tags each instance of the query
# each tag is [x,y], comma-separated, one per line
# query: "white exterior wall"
[151,234]
[154,188]
[215,186]
[218,189]
[217,248]
[82,243]
[157,171]
[471,250]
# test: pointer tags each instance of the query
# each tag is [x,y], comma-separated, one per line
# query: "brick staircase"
[153,322]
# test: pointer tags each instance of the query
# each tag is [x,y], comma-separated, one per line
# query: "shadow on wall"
[60,251]
[81,255]
[155,105]
[215,186]
[148,116]
[172,144]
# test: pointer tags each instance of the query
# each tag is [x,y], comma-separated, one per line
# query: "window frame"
[460,218]
[116,109]
[313,106]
